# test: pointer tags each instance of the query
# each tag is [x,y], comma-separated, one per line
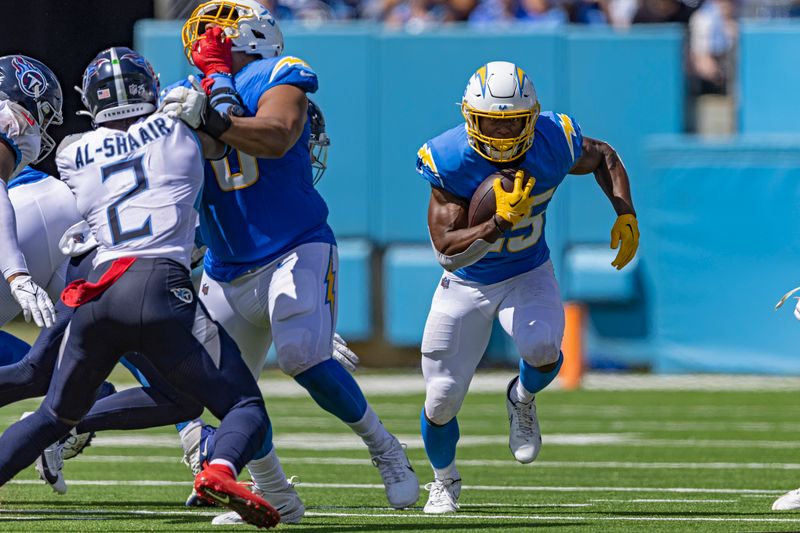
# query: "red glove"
[212,52]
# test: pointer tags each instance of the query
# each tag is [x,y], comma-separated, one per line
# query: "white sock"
[372,432]
[267,473]
[448,472]
[226,463]
[520,394]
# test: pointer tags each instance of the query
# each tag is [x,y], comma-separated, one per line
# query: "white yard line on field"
[410,383]
[350,441]
[351,461]
[589,488]
[87,514]
[659,500]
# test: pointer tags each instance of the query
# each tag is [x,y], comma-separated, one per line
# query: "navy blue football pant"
[30,377]
[155,404]
[150,310]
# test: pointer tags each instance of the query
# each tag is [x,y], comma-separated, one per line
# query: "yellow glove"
[625,229]
[514,206]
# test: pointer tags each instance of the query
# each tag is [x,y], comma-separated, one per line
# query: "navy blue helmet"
[119,83]
[319,141]
[32,85]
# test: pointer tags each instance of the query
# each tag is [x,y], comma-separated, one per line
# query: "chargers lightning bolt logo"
[330,284]
[569,132]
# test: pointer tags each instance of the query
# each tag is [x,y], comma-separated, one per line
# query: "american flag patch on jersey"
[104,93]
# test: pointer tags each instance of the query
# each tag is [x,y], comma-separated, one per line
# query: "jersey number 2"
[117,234]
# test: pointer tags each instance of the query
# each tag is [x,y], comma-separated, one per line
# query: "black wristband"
[497,225]
[215,123]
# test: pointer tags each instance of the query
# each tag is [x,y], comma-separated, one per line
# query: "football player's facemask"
[249,25]
[319,141]
[32,85]
[118,84]
[500,90]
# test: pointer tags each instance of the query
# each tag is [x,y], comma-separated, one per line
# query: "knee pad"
[538,345]
[294,349]
[443,400]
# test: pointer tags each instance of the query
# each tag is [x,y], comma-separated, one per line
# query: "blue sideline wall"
[384,93]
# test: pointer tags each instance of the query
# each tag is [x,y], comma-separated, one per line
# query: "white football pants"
[291,300]
[460,321]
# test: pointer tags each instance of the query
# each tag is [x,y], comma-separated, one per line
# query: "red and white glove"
[212,55]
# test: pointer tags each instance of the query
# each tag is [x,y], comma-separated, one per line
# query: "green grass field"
[620,461]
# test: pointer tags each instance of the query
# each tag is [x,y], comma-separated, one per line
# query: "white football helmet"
[250,26]
[500,90]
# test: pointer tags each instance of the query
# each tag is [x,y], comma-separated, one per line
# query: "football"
[482,205]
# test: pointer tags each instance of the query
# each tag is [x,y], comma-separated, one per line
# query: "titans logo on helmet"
[31,80]
[139,61]
[93,67]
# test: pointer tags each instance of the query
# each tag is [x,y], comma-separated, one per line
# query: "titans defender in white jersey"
[136,178]
[501,268]
[276,279]
[30,101]
[132,187]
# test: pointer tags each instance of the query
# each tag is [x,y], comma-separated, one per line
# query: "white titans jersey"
[136,188]
[20,131]
[44,210]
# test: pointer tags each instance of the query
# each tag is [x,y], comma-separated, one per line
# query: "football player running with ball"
[500,267]
[270,272]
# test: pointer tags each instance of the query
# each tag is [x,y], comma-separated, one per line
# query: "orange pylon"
[572,346]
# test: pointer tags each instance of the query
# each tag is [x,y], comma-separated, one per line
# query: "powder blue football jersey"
[450,163]
[254,210]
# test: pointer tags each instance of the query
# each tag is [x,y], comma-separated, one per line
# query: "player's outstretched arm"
[455,244]
[601,159]
[276,127]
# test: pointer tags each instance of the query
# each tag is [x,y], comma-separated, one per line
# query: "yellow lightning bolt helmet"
[250,26]
[500,90]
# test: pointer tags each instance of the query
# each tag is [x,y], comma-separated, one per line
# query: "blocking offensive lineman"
[501,267]
[136,179]
[274,278]
[30,102]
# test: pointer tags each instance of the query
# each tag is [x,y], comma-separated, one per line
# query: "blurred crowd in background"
[712,28]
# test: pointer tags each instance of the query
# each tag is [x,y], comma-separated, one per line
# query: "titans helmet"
[249,25]
[319,142]
[32,85]
[500,90]
[119,83]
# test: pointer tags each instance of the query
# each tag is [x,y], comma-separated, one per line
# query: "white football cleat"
[443,497]
[788,502]
[195,441]
[287,502]
[524,436]
[399,479]
[49,465]
[75,443]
